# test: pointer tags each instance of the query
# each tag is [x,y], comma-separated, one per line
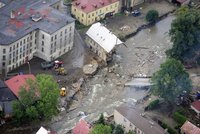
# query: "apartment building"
[33,28]
[90,11]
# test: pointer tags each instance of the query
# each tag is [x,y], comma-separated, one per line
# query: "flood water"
[143,55]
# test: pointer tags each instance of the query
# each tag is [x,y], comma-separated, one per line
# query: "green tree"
[37,99]
[184,33]
[101,129]
[171,80]
[152,16]
[101,119]
[118,130]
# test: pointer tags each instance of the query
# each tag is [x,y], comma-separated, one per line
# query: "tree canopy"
[118,130]
[171,80]
[152,16]
[101,129]
[39,101]
[185,34]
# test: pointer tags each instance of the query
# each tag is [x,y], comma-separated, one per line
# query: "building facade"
[93,10]
[101,41]
[35,29]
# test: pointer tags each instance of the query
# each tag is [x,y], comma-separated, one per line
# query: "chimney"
[12,14]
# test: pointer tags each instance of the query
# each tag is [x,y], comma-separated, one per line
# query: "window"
[3,64]
[51,45]
[10,49]
[42,49]
[74,10]
[31,44]
[42,36]
[65,31]
[42,43]
[4,57]
[20,43]
[55,37]
[4,51]
[116,5]
[13,47]
[60,33]
[88,16]
[28,39]
[82,15]
[9,62]
[70,29]
[30,50]
[24,41]
[17,45]
[51,38]
[92,14]
[31,37]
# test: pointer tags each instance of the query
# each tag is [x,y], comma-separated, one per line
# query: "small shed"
[6,99]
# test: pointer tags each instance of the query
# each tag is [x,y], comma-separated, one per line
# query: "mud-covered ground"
[103,92]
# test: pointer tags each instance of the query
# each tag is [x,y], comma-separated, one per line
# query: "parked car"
[188,66]
[136,13]
[47,65]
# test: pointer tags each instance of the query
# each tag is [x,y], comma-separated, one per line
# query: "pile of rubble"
[90,69]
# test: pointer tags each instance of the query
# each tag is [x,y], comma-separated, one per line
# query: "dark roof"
[5,93]
[12,30]
[145,124]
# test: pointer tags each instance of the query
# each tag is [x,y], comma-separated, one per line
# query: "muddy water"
[146,50]
[143,55]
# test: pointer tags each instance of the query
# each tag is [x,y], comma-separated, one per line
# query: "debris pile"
[90,69]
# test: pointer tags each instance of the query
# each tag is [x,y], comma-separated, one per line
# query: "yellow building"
[89,11]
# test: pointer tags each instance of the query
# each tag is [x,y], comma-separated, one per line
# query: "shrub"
[152,16]
[169,129]
[153,104]
[179,118]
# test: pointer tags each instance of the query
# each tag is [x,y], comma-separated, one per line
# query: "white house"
[102,41]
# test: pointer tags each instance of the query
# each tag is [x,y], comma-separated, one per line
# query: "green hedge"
[153,104]
[179,118]
[169,129]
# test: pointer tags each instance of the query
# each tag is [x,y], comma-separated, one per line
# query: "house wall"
[91,17]
[17,53]
[96,48]
[36,43]
[128,126]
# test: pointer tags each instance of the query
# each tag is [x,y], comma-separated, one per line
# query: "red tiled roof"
[190,128]
[196,105]
[16,82]
[82,127]
[91,5]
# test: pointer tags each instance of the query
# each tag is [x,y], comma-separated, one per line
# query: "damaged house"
[102,41]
